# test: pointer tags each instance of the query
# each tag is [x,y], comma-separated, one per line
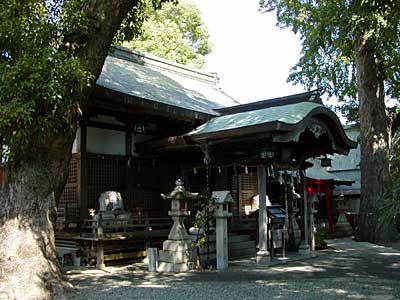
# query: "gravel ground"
[350,270]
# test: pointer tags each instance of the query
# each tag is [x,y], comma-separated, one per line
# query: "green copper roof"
[318,172]
[289,114]
[154,79]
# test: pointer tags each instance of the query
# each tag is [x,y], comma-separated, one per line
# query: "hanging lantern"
[326,162]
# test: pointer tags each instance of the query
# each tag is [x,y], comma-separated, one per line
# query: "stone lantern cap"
[222,197]
[179,192]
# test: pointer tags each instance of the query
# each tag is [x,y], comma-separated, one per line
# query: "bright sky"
[250,54]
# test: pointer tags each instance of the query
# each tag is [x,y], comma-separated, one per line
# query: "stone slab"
[172,267]
[174,256]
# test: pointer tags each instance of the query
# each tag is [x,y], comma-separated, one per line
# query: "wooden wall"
[139,181]
[70,197]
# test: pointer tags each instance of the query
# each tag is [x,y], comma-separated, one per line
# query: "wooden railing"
[126,228]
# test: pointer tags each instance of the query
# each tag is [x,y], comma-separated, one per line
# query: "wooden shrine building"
[151,121]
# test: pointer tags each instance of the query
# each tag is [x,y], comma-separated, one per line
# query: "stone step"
[210,256]
[242,245]
[344,231]
[238,238]
[173,267]
[241,253]
[174,256]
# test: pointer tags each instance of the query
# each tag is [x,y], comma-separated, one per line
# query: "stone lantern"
[221,213]
[176,253]
[342,226]
[179,212]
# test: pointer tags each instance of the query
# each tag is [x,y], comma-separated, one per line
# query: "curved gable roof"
[285,118]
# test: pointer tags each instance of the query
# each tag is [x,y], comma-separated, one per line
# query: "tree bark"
[373,141]
[29,268]
[28,264]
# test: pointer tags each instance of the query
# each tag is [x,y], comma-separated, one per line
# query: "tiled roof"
[289,114]
[317,172]
[154,79]
[350,161]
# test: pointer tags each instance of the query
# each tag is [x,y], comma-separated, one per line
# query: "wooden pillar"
[262,254]
[329,209]
[128,201]
[128,140]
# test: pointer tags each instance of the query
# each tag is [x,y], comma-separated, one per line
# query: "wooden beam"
[122,102]
[297,98]
[170,143]
[106,126]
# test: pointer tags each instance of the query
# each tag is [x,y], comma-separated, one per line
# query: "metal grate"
[247,190]
[105,174]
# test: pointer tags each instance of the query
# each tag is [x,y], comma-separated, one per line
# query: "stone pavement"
[348,270]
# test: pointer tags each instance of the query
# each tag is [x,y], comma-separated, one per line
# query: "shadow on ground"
[350,270]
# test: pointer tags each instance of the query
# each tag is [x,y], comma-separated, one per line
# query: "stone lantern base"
[176,256]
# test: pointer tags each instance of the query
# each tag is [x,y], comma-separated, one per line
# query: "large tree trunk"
[29,268]
[373,141]
[28,265]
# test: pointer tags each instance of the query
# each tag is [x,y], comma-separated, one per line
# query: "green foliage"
[320,243]
[132,26]
[175,32]
[40,79]
[327,30]
[391,201]
[202,221]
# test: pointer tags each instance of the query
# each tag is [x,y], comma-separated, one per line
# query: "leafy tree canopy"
[391,205]
[327,30]
[41,77]
[175,32]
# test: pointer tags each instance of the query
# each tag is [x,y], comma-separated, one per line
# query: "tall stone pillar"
[221,213]
[304,247]
[312,200]
[263,255]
